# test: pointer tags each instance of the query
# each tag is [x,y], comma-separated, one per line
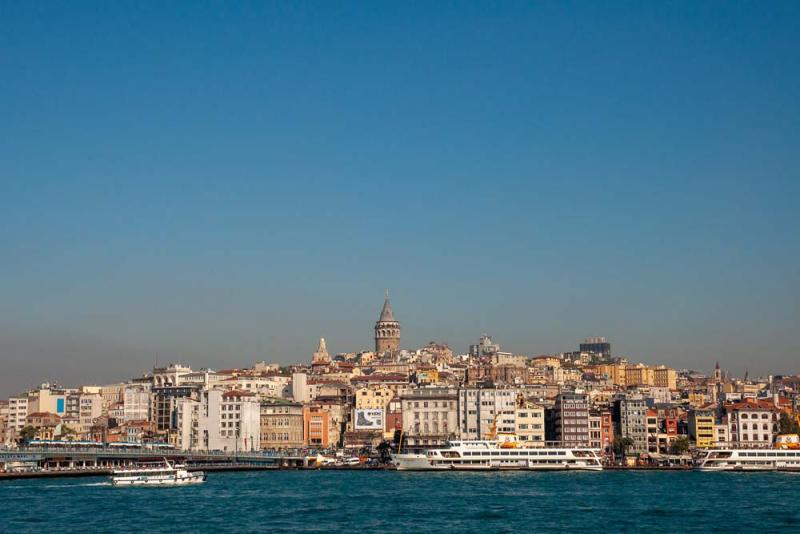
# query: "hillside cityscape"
[419,399]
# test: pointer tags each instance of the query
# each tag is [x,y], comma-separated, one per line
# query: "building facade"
[281,425]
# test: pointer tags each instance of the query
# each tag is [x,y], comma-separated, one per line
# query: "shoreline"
[82,473]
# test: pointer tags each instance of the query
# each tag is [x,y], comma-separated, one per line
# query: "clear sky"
[224,183]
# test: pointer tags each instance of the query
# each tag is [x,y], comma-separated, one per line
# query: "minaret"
[387,330]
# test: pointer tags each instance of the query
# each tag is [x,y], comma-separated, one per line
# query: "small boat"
[165,474]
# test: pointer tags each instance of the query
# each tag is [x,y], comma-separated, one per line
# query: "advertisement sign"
[369,420]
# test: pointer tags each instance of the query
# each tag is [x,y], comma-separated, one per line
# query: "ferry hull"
[198,478]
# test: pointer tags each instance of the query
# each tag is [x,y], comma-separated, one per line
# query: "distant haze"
[221,184]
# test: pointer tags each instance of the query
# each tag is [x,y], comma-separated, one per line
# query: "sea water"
[386,501]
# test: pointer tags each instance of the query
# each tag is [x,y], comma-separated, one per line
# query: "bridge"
[106,458]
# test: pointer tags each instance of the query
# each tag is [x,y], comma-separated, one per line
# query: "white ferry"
[498,455]
[165,474]
[749,460]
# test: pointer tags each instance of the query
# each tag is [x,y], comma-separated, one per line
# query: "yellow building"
[428,375]
[529,425]
[639,375]
[697,399]
[701,427]
[375,398]
[665,377]
[616,372]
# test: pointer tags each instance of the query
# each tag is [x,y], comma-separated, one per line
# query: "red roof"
[43,415]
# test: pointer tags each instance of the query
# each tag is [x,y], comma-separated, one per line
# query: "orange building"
[315,426]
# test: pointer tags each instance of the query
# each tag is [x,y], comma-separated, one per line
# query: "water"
[325,501]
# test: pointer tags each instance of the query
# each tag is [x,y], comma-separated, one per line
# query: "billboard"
[369,420]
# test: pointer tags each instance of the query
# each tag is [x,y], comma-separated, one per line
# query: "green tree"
[67,433]
[26,434]
[621,445]
[788,425]
[679,446]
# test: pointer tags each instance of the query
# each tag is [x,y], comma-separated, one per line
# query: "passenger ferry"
[749,460]
[156,475]
[498,455]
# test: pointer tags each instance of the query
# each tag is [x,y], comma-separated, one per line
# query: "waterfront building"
[721,437]
[17,416]
[136,402]
[430,417]
[630,415]
[213,420]
[567,422]
[3,421]
[45,423]
[164,403]
[701,427]
[281,425]
[482,411]
[316,421]
[387,330]
[752,423]
[82,411]
[529,423]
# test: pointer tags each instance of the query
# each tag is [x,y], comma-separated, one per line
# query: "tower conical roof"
[386,312]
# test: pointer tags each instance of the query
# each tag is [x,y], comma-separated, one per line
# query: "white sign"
[369,420]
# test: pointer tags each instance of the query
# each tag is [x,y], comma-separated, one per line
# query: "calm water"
[320,501]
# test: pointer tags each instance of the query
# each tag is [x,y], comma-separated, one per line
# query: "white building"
[219,421]
[17,415]
[172,375]
[482,410]
[136,403]
[750,425]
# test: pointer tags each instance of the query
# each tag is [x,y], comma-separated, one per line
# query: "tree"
[788,425]
[679,446]
[26,434]
[67,433]
[383,451]
[621,445]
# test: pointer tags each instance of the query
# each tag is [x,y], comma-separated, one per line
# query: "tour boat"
[165,474]
[749,460]
[498,455]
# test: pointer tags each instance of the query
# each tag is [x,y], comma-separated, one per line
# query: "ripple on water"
[410,502]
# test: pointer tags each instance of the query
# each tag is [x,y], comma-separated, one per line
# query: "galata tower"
[387,330]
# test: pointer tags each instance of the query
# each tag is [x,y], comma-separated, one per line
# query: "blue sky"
[220,184]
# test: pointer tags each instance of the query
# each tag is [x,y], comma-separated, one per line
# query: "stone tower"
[387,330]
[321,358]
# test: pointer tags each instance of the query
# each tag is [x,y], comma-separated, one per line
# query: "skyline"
[305,359]
[220,185]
